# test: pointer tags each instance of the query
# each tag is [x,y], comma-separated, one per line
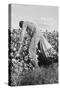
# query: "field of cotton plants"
[22,69]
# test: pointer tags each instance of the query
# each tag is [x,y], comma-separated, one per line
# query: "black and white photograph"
[32,45]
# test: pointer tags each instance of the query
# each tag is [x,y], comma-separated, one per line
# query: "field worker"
[37,36]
